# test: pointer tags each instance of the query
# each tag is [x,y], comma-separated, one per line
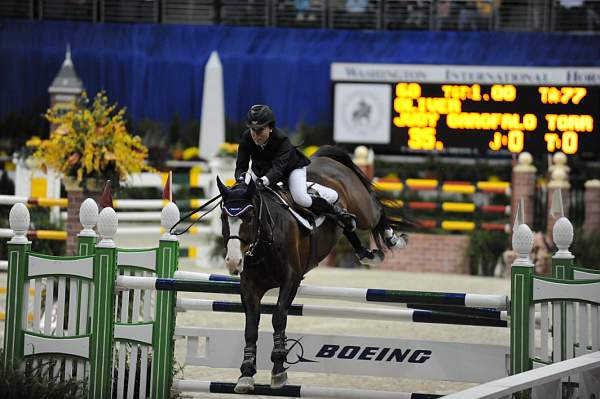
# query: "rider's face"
[260,135]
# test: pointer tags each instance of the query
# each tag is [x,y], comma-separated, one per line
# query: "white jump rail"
[349,294]
[545,382]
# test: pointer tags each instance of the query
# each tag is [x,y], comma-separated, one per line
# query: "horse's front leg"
[287,293]
[251,302]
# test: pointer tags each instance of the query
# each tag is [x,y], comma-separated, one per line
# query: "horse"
[268,247]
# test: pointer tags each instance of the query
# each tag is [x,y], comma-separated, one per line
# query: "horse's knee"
[301,198]
[279,320]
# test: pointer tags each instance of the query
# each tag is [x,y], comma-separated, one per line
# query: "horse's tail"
[336,153]
[384,222]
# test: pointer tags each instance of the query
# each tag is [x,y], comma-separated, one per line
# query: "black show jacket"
[276,159]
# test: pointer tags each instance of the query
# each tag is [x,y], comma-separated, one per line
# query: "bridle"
[257,236]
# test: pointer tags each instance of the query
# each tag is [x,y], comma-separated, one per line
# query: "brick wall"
[439,253]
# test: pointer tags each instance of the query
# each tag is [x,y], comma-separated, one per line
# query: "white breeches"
[297,185]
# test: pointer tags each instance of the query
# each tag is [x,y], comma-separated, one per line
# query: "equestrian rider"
[275,159]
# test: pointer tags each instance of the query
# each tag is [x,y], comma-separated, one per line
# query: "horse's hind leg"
[363,253]
[287,293]
[251,303]
[392,239]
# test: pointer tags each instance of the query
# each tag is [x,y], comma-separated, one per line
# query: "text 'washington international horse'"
[271,249]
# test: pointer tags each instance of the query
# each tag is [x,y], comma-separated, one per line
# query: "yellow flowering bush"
[190,153]
[91,141]
[227,150]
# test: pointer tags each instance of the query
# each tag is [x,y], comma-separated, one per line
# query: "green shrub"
[485,247]
[586,248]
[25,385]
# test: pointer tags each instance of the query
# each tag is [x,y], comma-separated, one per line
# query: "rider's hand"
[262,182]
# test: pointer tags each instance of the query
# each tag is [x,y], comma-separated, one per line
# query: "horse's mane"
[337,154]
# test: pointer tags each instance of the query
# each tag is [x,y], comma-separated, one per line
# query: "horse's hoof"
[370,257]
[397,241]
[244,385]
[278,380]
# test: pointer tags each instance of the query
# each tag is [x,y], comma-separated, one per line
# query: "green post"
[101,345]
[16,294]
[521,310]
[163,342]
[85,245]
[563,263]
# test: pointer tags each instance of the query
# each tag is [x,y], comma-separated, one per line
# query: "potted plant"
[90,143]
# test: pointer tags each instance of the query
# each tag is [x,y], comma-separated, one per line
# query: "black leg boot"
[320,206]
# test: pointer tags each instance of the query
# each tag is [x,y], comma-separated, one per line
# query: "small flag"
[557,209]
[106,198]
[519,214]
[168,190]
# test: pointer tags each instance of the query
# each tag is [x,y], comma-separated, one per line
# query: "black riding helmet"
[260,116]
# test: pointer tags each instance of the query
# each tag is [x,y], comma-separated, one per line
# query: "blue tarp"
[158,70]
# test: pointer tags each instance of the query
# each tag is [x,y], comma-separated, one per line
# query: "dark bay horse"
[271,250]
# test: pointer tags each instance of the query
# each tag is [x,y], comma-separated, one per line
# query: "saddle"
[304,216]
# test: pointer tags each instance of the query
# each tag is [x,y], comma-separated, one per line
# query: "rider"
[275,159]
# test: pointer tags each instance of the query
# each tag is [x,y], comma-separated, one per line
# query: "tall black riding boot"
[320,206]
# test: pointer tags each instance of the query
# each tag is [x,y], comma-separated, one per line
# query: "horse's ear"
[250,190]
[222,188]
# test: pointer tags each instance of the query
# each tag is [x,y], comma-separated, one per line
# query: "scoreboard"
[472,111]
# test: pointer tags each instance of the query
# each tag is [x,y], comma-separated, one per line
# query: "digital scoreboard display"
[472,111]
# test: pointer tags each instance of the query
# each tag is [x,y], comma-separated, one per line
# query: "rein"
[190,214]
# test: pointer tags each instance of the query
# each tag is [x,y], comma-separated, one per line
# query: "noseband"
[236,208]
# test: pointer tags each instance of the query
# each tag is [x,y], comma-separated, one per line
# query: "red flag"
[168,190]
[106,198]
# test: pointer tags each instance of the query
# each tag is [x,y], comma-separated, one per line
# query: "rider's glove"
[262,182]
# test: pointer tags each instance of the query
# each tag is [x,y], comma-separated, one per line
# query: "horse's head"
[239,221]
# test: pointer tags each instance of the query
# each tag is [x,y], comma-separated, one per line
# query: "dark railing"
[481,15]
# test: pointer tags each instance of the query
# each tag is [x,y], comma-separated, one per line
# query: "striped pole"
[45,202]
[407,315]
[461,225]
[39,234]
[296,391]
[496,302]
[156,203]
[59,235]
[225,285]
[461,187]
[458,207]
[470,312]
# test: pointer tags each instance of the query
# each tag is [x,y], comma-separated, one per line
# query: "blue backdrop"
[158,70]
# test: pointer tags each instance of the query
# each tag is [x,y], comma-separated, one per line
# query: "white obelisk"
[212,122]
